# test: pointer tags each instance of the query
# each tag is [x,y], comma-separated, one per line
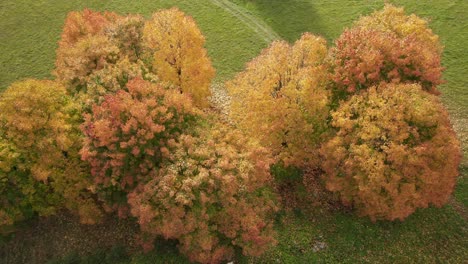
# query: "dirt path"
[257,25]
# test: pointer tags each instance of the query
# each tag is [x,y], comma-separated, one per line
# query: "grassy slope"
[30,30]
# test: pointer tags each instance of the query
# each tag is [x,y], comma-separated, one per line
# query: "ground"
[236,31]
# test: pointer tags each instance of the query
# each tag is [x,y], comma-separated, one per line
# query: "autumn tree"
[127,135]
[280,99]
[127,33]
[213,194]
[178,53]
[40,169]
[83,48]
[393,19]
[389,47]
[394,151]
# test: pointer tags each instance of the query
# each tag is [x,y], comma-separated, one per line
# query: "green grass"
[30,30]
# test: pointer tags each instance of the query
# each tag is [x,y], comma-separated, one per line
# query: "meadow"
[236,31]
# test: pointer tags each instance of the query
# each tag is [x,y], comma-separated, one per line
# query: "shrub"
[394,151]
[281,100]
[40,169]
[178,55]
[127,135]
[212,195]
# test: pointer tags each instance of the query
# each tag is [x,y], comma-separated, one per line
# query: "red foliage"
[127,135]
[366,57]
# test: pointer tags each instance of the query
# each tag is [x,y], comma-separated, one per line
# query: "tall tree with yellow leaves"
[281,99]
[178,55]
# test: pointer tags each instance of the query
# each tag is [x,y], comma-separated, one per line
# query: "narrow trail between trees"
[257,25]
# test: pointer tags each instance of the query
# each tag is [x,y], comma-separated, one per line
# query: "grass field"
[236,31]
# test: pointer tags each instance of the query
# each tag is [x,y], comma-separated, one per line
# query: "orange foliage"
[79,25]
[394,151]
[211,195]
[280,99]
[366,57]
[98,53]
[387,46]
[83,47]
[40,169]
[178,54]
[127,134]
[394,20]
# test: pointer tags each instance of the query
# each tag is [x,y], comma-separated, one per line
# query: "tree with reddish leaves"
[387,46]
[127,135]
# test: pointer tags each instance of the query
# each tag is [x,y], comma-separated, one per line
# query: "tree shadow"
[289,18]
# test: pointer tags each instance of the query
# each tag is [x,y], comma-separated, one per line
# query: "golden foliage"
[280,99]
[178,54]
[393,19]
[39,165]
[394,151]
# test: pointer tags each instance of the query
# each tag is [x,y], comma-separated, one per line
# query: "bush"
[178,56]
[212,195]
[281,100]
[394,151]
[127,135]
[40,170]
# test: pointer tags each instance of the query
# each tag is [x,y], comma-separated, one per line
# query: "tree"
[127,136]
[389,47]
[39,141]
[393,19]
[178,55]
[212,194]
[280,99]
[394,151]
